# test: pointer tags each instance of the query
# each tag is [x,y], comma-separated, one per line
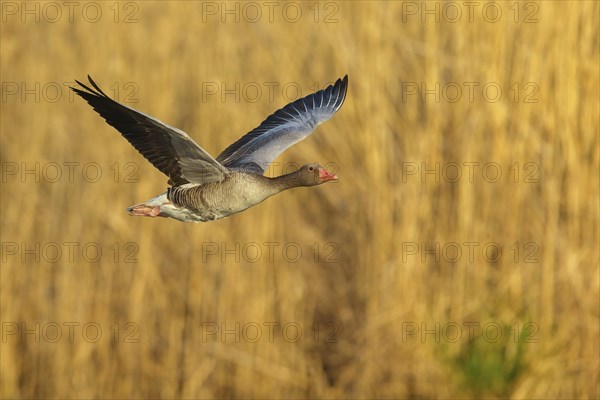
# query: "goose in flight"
[202,188]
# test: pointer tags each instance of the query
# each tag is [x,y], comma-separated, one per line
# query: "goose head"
[314,174]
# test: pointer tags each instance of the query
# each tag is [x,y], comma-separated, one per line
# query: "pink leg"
[142,210]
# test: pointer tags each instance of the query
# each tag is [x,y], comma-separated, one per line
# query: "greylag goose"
[202,188]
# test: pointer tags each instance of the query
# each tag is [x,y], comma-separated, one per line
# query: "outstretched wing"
[284,128]
[169,149]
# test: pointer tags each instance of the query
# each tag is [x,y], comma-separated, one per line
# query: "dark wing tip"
[96,86]
[94,90]
[344,81]
[340,89]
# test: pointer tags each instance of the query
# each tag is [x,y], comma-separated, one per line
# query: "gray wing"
[284,128]
[169,149]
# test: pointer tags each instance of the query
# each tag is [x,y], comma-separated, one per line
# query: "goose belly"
[210,201]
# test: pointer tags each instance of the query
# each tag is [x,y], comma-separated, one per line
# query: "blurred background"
[456,257]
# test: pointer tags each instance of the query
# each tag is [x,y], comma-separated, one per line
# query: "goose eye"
[311,168]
